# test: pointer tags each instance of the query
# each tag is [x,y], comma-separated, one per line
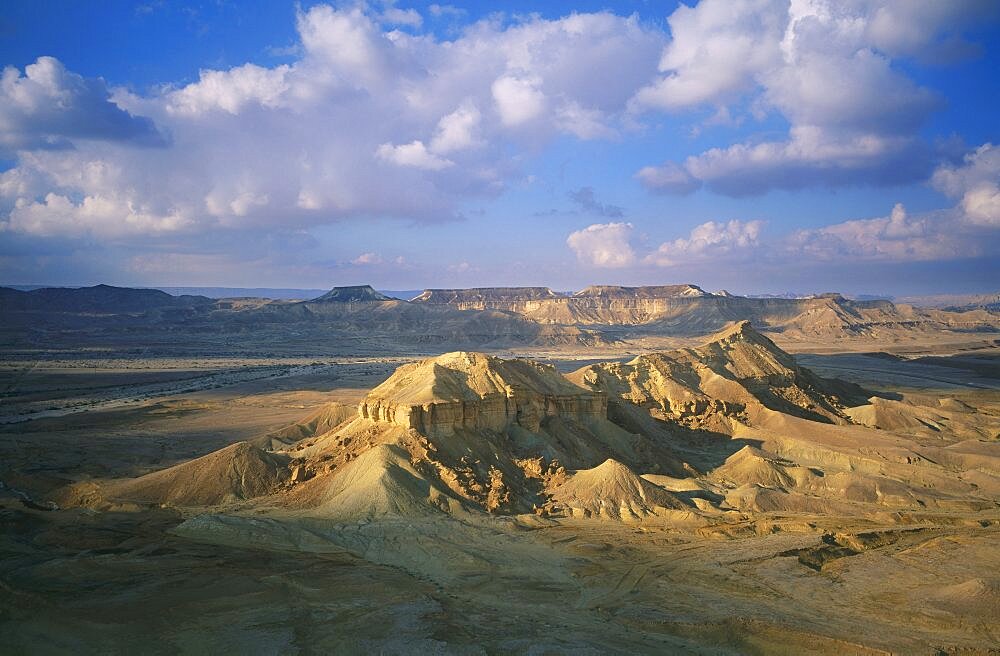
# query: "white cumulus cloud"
[50,107]
[976,183]
[413,154]
[57,215]
[230,91]
[826,67]
[894,238]
[457,130]
[518,100]
[718,47]
[604,245]
[366,122]
[708,240]
[367,258]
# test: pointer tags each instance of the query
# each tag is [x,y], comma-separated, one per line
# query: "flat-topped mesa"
[607,304]
[474,391]
[484,295]
[352,294]
[650,291]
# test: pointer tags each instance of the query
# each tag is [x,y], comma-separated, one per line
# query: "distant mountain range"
[273,293]
[361,318]
[964,301]
[103,299]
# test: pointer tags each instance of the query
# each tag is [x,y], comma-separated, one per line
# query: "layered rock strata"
[473,391]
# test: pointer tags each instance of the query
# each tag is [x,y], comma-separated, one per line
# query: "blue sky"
[753,145]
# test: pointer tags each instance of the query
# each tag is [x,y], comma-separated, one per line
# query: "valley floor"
[166,581]
[117,583]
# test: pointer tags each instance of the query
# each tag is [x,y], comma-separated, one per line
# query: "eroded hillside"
[633,504]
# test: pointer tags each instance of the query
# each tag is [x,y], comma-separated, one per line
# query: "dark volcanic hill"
[355,294]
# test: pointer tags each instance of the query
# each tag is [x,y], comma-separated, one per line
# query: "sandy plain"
[76,580]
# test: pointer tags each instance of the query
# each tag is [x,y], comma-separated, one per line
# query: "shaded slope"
[381,481]
[398,322]
[612,491]
[751,466]
[100,299]
[326,418]
[237,472]
[360,319]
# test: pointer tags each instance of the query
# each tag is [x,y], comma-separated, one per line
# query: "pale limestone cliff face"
[690,310]
[591,306]
[472,391]
[496,412]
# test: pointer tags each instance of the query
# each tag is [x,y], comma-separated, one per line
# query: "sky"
[760,146]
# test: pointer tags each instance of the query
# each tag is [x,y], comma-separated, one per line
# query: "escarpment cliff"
[474,391]
[483,431]
[476,298]
[687,310]
[595,305]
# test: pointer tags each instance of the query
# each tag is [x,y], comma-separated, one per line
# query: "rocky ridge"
[735,373]
[734,424]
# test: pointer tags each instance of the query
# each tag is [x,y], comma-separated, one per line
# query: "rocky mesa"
[473,391]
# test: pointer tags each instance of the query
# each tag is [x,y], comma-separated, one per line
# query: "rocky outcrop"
[737,371]
[355,294]
[684,308]
[536,303]
[474,391]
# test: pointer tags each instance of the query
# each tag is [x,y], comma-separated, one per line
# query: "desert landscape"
[406,327]
[618,470]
